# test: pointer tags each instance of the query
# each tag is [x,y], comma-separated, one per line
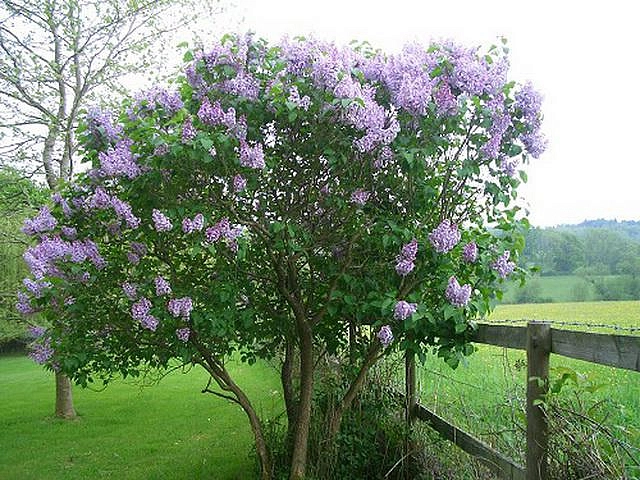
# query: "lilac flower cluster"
[193,225]
[457,295]
[140,311]
[130,290]
[189,132]
[508,166]
[385,335]
[69,232]
[384,158]
[499,126]
[124,212]
[470,252]
[101,126]
[252,156]
[160,221]
[41,351]
[445,236]
[224,231]
[162,286]
[183,334]
[294,97]
[41,258]
[503,266]
[23,305]
[119,161]
[180,307]
[239,183]
[529,101]
[360,197]
[36,287]
[155,98]
[41,223]
[446,101]
[404,310]
[37,331]
[405,261]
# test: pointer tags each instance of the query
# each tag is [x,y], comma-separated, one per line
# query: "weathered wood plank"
[502,336]
[538,350]
[503,466]
[619,351]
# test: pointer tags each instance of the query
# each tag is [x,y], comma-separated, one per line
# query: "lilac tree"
[299,200]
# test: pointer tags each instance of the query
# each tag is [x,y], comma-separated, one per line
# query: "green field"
[165,431]
[486,394]
[570,288]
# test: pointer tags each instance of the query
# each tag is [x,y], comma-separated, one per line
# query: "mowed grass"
[166,431]
[486,394]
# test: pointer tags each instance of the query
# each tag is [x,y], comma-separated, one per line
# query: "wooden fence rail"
[539,340]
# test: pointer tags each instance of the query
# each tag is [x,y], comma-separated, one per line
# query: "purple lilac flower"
[529,101]
[446,102]
[161,150]
[404,310]
[239,183]
[183,334]
[535,143]
[405,261]
[457,295]
[252,156]
[503,265]
[385,335]
[70,232]
[119,161]
[23,305]
[100,125]
[149,322]
[243,85]
[190,226]
[36,287]
[133,258]
[210,113]
[470,252]
[37,331]
[189,132]
[445,236]
[100,199]
[294,97]
[124,212]
[41,351]
[180,307]
[141,308]
[157,97]
[41,223]
[508,166]
[130,290]
[41,258]
[162,286]
[161,221]
[500,125]
[360,197]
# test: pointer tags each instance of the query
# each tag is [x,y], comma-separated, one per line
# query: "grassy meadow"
[164,431]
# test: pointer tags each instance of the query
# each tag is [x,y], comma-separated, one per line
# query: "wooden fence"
[539,340]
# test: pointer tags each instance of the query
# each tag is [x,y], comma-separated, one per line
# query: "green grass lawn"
[486,394]
[166,431]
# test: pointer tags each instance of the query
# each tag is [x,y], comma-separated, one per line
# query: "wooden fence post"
[538,351]
[410,386]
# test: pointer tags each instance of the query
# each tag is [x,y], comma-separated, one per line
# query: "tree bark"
[64,398]
[303,420]
[286,377]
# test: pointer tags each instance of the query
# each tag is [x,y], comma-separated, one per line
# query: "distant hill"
[626,228]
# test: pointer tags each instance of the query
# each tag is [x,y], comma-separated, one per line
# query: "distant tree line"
[605,254]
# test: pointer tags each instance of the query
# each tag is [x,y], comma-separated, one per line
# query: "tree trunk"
[303,420]
[290,401]
[64,398]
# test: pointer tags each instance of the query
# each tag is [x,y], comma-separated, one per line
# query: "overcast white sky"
[583,56]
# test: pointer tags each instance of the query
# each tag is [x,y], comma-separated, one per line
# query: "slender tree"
[56,57]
